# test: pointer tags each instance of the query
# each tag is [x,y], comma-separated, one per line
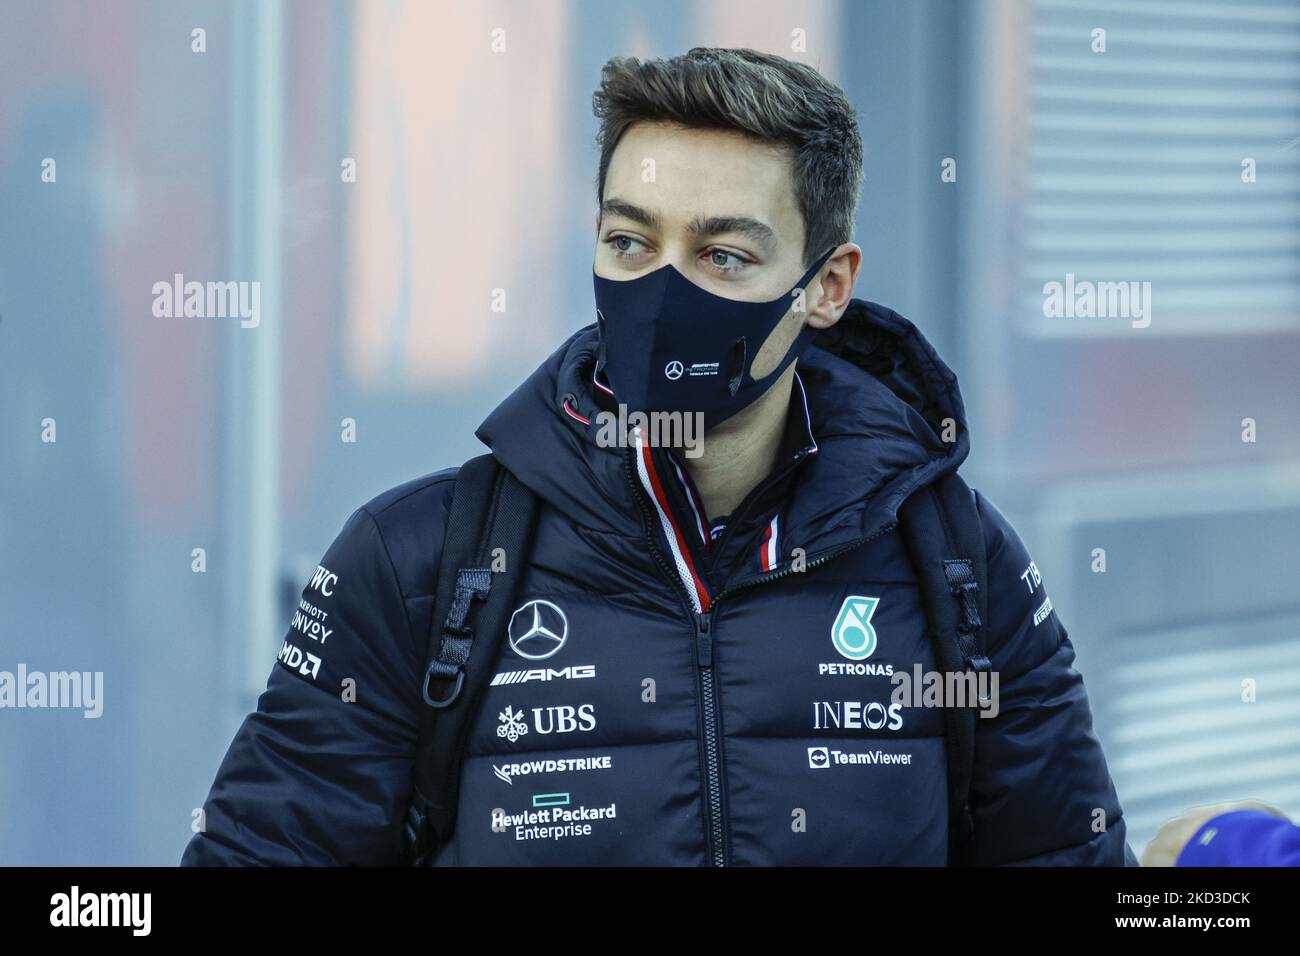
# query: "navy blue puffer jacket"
[670,698]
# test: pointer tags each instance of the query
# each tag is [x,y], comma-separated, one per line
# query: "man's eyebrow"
[760,232]
[620,207]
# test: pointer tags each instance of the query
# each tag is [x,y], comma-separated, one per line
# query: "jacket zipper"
[712,741]
[702,621]
[702,624]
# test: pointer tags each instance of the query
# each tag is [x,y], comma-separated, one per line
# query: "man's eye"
[623,245]
[724,261]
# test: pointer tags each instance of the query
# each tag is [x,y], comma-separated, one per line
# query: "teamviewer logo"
[818,758]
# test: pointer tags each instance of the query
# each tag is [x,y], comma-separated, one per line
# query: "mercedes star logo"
[673,370]
[538,630]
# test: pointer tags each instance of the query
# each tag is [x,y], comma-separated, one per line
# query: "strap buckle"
[457,674]
[967,595]
[422,829]
[472,584]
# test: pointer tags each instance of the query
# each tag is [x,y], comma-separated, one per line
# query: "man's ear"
[835,290]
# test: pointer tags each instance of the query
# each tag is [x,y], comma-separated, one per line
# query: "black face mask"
[667,345]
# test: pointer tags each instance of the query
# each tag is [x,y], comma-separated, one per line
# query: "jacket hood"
[880,400]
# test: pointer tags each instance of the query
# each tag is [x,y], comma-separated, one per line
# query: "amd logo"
[305,664]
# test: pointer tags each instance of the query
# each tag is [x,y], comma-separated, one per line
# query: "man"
[701,664]
[1244,833]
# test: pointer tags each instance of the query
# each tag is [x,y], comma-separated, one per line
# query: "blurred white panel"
[1131,169]
[458,152]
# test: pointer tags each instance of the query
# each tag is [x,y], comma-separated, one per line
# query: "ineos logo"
[537,630]
[673,370]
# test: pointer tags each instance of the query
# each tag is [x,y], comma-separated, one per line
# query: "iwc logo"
[852,633]
[538,630]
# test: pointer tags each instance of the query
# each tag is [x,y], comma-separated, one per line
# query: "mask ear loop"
[737,364]
[817,267]
[804,334]
[600,347]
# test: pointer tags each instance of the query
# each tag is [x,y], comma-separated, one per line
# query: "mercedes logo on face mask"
[673,370]
[537,630]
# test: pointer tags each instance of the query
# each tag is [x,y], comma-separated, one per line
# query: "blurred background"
[224,155]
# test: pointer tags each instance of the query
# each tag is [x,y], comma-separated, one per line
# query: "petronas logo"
[852,633]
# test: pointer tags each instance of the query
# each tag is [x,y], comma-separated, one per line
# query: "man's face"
[716,205]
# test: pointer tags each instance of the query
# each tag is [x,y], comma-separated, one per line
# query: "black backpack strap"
[945,541]
[490,510]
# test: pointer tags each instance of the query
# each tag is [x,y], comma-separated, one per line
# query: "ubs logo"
[538,630]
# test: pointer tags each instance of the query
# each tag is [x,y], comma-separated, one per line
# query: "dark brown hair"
[773,99]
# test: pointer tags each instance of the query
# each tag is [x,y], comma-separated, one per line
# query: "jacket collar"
[879,398]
